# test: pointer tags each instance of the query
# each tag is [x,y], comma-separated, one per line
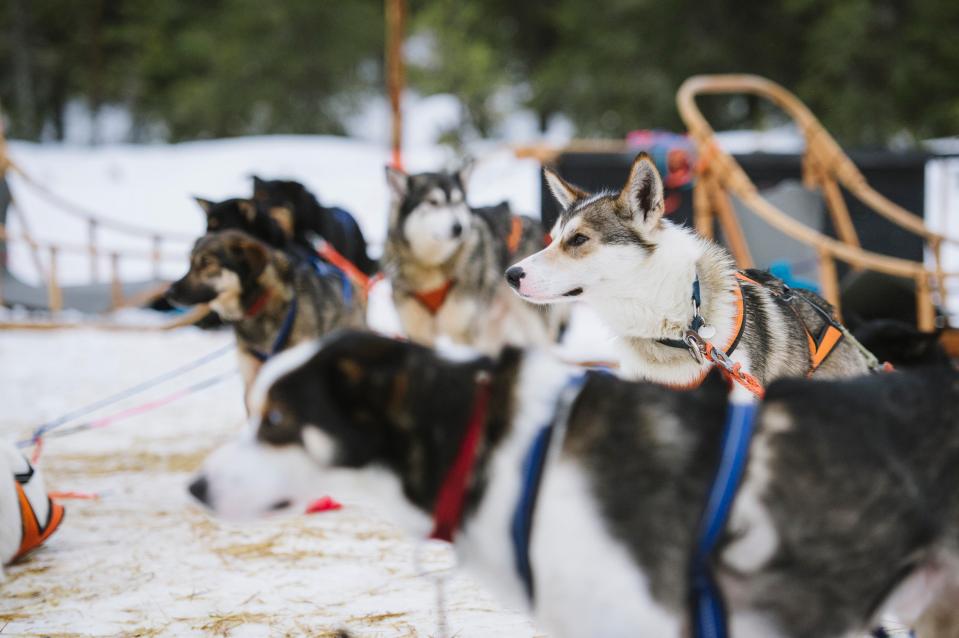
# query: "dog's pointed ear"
[564,192]
[398,181]
[248,209]
[465,172]
[642,196]
[205,204]
[259,187]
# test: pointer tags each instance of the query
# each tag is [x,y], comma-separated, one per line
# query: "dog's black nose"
[457,229]
[200,489]
[513,275]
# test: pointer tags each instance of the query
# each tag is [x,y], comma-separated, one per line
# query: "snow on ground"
[144,561]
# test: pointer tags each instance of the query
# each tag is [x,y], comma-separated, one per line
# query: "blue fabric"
[534,463]
[522,526]
[706,601]
[324,268]
[282,337]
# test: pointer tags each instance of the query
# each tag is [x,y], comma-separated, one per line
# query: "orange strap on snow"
[33,534]
[434,299]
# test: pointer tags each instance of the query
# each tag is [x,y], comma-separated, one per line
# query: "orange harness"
[820,347]
[434,299]
[33,534]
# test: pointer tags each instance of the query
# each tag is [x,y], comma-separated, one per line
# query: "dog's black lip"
[575,292]
[281,505]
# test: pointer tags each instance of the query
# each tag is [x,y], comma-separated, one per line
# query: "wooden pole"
[925,310]
[829,278]
[54,294]
[94,254]
[732,231]
[116,286]
[702,212]
[395,28]
[157,256]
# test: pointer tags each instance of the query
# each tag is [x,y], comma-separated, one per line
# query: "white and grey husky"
[616,253]
[445,262]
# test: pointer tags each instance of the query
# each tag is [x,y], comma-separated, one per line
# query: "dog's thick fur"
[434,237]
[245,215]
[847,511]
[12,462]
[231,271]
[298,212]
[615,252]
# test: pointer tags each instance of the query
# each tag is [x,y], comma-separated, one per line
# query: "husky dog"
[297,211]
[243,214]
[272,302]
[27,515]
[616,253]
[846,512]
[445,263]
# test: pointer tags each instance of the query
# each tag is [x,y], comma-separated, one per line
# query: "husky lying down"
[27,515]
[847,512]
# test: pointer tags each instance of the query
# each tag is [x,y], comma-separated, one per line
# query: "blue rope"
[53,424]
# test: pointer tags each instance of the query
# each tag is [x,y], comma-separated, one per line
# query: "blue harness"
[706,600]
[324,269]
[534,463]
[282,337]
[709,618]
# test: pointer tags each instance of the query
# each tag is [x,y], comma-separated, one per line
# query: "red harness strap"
[335,257]
[259,304]
[33,534]
[434,299]
[448,511]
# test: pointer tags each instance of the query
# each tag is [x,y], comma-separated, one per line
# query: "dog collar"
[258,304]
[434,299]
[451,498]
[33,534]
[698,321]
[707,608]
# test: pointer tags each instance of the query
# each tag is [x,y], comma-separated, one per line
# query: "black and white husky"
[616,253]
[847,512]
[445,262]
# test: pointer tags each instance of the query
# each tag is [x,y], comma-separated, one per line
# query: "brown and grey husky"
[651,281]
[272,301]
[445,262]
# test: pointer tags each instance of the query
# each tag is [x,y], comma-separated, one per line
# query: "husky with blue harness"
[614,508]
[272,299]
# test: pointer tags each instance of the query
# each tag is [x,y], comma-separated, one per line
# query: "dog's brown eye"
[578,240]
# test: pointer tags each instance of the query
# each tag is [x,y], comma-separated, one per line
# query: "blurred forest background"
[873,70]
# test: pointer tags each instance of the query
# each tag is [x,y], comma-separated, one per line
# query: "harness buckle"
[696,346]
